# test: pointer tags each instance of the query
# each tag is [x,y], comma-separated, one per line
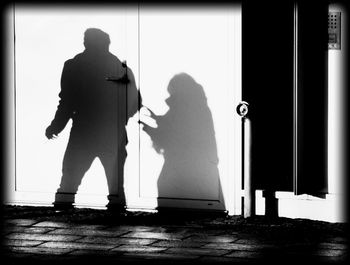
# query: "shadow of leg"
[113,164]
[75,164]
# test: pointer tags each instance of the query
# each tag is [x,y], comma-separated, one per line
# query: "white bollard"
[249,193]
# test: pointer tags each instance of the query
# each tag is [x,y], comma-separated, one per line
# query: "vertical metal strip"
[139,98]
[14,93]
[295,101]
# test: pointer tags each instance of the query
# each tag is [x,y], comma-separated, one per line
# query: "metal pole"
[249,193]
[124,65]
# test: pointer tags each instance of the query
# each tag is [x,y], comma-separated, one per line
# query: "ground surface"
[42,234]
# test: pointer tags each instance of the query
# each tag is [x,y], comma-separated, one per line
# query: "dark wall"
[312,98]
[267,55]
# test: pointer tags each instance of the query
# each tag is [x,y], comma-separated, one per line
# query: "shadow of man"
[99,94]
[185,136]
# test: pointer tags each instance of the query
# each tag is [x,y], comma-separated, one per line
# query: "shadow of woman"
[185,137]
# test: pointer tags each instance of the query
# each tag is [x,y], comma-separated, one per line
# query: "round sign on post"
[242,109]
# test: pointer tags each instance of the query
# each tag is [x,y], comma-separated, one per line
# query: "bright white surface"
[336,115]
[45,39]
[204,44]
[9,128]
[305,206]
[197,43]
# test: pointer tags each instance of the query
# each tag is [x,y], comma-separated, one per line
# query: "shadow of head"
[96,40]
[182,87]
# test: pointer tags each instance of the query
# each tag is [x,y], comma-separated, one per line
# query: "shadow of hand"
[50,134]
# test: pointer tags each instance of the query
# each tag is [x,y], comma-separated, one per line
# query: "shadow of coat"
[99,94]
[185,137]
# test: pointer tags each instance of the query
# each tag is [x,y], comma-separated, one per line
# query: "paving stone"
[97,253]
[16,255]
[177,244]
[89,227]
[333,246]
[320,256]
[329,252]
[154,235]
[252,241]
[20,222]
[87,232]
[161,256]
[246,254]
[42,237]
[117,240]
[41,250]
[331,259]
[52,224]
[209,232]
[27,238]
[129,228]
[215,239]
[220,260]
[185,226]
[21,243]
[243,235]
[35,230]
[154,229]
[197,251]
[311,258]
[136,249]
[171,230]
[24,229]
[11,229]
[75,245]
[339,239]
[234,246]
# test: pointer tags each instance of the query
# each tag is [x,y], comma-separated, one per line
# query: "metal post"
[249,193]
[124,65]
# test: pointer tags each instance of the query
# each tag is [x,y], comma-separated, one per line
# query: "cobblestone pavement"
[56,239]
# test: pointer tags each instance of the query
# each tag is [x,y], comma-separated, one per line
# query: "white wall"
[9,169]
[45,38]
[190,77]
[336,110]
[208,49]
